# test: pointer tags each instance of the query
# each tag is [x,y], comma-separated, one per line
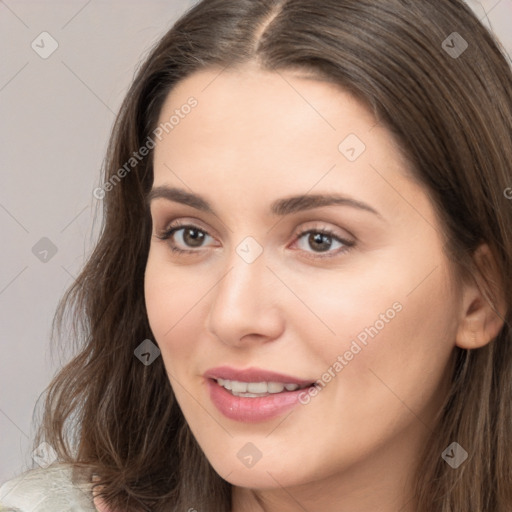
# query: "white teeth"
[238,387]
[255,389]
[275,387]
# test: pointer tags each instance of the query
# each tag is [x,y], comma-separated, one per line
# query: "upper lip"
[252,375]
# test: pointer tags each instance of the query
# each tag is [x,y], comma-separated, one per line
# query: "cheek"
[347,311]
[393,326]
[400,364]
[170,313]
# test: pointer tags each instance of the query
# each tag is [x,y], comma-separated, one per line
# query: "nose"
[246,307]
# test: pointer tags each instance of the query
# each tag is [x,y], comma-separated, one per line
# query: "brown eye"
[318,241]
[185,238]
[192,237]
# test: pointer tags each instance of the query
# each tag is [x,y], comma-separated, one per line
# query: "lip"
[252,409]
[253,375]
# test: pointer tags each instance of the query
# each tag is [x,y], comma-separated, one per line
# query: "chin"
[261,476]
[259,480]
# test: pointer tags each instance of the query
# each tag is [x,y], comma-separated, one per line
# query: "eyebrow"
[279,207]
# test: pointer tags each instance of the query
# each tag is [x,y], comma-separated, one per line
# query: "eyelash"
[177,226]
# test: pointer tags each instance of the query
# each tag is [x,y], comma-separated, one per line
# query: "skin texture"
[99,503]
[255,137]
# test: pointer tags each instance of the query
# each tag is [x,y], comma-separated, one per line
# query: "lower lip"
[252,409]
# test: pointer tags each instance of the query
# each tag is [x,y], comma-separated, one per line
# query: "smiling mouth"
[252,395]
[258,389]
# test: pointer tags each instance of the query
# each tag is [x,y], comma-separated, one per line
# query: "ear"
[482,310]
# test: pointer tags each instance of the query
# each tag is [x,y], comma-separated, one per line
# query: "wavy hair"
[108,414]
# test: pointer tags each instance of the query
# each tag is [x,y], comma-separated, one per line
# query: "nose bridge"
[242,300]
[243,282]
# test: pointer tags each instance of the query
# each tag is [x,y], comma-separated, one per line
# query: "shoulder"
[46,490]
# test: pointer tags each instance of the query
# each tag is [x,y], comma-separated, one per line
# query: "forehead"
[255,101]
[260,135]
[247,113]
[228,85]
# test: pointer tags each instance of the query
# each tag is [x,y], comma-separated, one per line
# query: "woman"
[301,296]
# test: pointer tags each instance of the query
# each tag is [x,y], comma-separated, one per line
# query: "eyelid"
[323,226]
[347,245]
[178,224]
[184,223]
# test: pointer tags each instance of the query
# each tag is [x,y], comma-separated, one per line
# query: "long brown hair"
[450,108]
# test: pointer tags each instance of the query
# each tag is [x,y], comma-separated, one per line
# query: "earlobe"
[480,330]
[483,309]
[472,332]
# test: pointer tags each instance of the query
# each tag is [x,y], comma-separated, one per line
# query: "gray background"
[56,114]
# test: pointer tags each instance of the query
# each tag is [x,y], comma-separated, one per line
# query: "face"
[248,281]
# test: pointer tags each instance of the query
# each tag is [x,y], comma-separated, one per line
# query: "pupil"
[196,238]
[322,239]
